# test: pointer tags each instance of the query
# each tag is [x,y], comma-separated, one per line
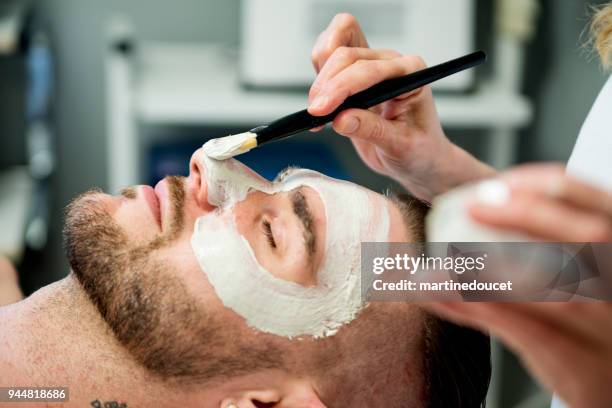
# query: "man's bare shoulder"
[10,370]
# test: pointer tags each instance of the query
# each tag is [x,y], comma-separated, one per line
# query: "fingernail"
[493,192]
[351,124]
[319,102]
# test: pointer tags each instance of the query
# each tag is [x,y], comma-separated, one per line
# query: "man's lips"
[151,196]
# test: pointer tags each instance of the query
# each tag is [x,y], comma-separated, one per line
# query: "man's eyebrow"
[303,212]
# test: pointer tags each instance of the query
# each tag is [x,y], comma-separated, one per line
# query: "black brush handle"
[381,92]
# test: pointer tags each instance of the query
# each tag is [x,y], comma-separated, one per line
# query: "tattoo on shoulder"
[108,404]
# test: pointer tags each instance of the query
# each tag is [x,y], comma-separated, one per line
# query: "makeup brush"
[229,146]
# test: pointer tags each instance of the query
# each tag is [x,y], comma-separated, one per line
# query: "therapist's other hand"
[566,346]
[549,205]
[401,138]
[9,283]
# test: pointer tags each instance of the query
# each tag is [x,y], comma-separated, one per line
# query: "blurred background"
[106,94]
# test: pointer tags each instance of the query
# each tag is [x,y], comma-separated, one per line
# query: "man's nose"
[197,185]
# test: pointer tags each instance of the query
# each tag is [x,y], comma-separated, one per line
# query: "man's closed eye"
[267,229]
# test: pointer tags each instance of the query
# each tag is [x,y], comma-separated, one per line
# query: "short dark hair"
[456,359]
[457,364]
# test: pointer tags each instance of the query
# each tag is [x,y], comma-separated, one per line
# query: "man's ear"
[296,395]
[252,399]
[301,395]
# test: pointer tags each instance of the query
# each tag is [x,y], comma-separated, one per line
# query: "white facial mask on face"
[275,305]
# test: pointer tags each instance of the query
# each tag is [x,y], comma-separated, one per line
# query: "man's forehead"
[293,174]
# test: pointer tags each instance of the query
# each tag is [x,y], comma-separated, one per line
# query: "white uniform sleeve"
[591,159]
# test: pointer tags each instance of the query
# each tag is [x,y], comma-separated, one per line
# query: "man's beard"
[146,304]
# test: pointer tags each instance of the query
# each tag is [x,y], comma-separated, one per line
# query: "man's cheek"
[180,260]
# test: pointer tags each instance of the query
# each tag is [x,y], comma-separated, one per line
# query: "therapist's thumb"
[368,126]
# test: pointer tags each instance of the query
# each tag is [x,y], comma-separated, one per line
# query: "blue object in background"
[268,160]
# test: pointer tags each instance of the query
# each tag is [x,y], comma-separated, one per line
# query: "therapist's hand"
[567,346]
[401,138]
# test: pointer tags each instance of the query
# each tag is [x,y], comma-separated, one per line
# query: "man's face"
[133,255]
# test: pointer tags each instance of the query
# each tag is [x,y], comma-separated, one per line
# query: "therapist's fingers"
[363,126]
[591,319]
[401,105]
[544,218]
[587,323]
[359,76]
[529,320]
[342,58]
[553,181]
[343,30]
